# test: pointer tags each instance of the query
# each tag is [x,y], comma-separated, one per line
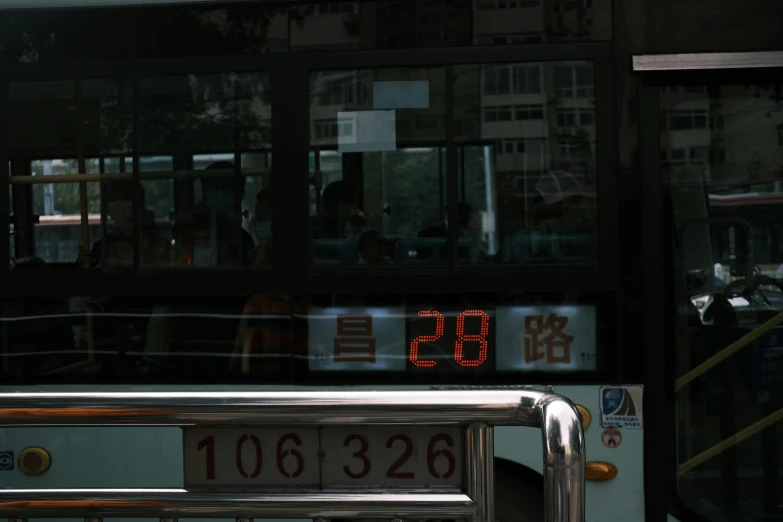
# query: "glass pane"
[376,137]
[211,121]
[301,339]
[724,188]
[409,24]
[527,173]
[49,224]
[56,35]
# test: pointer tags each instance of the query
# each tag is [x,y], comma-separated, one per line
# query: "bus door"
[719,141]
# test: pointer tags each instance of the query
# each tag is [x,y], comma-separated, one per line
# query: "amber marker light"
[34,461]
[600,471]
[584,414]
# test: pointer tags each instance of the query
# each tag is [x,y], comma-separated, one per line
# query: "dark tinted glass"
[265,338]
[721,150]
[446,23]
[119,33]
[524,168]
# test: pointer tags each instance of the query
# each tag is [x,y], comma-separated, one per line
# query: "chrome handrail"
[476,410]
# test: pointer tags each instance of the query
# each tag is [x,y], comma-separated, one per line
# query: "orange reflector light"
[599,471]
[585,415]
[34,461]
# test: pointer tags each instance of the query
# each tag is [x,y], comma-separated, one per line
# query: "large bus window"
[523,137]
[61,130]
[217,124]
[446,23]
[720,149]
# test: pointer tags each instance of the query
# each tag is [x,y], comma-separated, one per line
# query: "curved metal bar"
[459,407]
[564,460]
[157,503]
[563,442]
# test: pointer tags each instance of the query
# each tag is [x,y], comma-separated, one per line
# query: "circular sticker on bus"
[612,437]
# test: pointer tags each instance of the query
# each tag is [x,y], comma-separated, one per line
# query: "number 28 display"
[453,340]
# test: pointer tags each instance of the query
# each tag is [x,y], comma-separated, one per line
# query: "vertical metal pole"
[84,207]
[480,469]
[564,461]
[82,168]
[138,211]
[451,170]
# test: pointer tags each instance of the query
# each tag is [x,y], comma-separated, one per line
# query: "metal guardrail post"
[476,410]
[479,458]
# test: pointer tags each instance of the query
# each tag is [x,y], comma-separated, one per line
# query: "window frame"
[681,74]
[291,270]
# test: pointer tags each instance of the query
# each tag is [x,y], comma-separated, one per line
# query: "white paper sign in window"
[366,131]
[401,95]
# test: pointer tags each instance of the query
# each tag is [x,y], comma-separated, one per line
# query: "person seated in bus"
[370,248]
[466,222]
[211,233]
[272,336]
[337,206]
[565,209]
[116,249]
[355,225]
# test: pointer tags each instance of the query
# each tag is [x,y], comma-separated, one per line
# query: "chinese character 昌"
[354,341]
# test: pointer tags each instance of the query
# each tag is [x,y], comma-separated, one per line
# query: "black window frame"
[291,266]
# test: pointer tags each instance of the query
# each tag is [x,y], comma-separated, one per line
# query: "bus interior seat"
[334,251]
[432,250]
[532,245]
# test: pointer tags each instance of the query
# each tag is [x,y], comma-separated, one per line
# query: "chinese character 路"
[549,335]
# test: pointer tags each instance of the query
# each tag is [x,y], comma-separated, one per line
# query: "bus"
[333,261]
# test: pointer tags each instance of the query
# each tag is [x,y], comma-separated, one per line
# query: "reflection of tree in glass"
[112,34]
[409,182]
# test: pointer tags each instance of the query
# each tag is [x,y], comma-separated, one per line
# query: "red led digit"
[480,338]
[414,349]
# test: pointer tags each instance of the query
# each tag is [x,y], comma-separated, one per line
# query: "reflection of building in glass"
[729,140]
[444,23]
[726,137]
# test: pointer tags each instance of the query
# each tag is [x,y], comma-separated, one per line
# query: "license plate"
[245,458]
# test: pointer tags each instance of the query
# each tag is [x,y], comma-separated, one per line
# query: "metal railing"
[477,411]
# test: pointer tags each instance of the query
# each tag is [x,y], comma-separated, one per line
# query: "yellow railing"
[710,363]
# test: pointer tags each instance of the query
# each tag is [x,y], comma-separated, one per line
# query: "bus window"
[61,129]
[379,184]
[220,126]
[720,149]
[524,164]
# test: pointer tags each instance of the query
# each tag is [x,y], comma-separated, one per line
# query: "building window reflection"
[575,117]
[573,81]
[512,79]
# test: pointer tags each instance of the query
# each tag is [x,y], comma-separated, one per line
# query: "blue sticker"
[621,407]
[6,460]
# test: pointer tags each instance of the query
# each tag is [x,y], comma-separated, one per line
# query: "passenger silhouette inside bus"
[370,248]
[337,205]
[211,233]
[115,249]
